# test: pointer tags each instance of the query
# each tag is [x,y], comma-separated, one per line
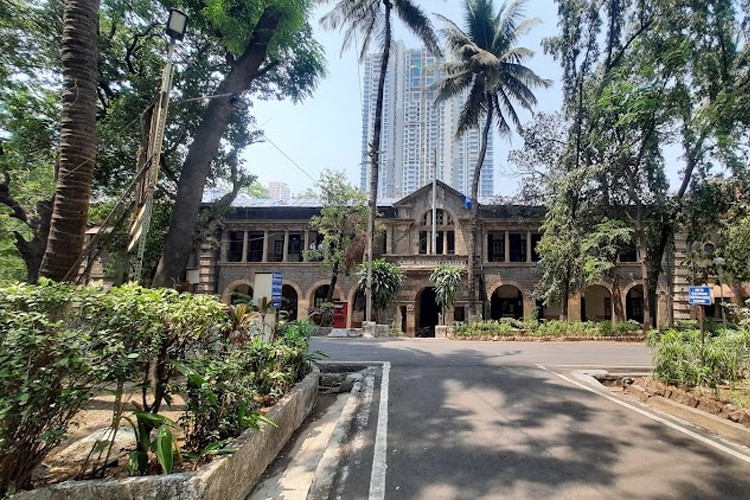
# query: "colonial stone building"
[262,236]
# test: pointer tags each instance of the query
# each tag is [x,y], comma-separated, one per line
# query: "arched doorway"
[242,294]
[429,311]
[634,304]
[289,302]
[506,302]
[320,295]
[596,304]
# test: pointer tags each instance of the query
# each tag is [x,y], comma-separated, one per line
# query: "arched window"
[442,218]
[445,237]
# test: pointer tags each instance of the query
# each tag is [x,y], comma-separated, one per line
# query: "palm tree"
[368,19]
[489,69]
[75,168]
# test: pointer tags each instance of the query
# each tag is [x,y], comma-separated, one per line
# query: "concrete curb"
[325,472]
[231,476]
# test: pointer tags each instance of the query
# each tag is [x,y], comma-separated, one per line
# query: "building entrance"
[506,302]
[428,313]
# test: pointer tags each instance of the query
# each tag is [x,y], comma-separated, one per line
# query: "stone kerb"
[230,476]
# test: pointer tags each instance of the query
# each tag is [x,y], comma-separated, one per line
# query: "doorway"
[428,313]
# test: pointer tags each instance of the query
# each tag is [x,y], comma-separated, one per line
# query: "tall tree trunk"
[32,252]
[646,285]
[376,132]
[179,240]
[77,138]
[619,313]
[334,280]
[564,297]
[474,239]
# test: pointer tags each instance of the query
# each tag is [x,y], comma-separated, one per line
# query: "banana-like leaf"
[164,448]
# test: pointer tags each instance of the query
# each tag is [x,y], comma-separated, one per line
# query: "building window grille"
[517,247]
[236,239]
[255,247]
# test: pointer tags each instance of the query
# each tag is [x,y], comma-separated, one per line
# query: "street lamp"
[148,166]
[176,25]
[719,261]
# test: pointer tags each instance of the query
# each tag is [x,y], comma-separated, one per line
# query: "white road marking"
[671,425]
[377,479]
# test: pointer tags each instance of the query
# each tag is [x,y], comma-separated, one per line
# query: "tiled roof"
[488,204]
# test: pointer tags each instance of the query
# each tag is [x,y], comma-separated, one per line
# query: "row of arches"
[505,301]
[291,296]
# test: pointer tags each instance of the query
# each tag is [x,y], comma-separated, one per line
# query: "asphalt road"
[457,419]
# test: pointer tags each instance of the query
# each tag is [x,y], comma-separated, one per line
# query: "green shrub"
[47,375]
[489,328]
[681,359]
[60,344]
[545,328]
[619,328]
[224,392]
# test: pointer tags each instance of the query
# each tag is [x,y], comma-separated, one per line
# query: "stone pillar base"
[441,332]
[368,329]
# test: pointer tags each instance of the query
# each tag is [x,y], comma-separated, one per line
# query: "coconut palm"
[488,68]
[77,138]
[364,20]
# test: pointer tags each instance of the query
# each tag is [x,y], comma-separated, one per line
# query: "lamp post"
[719,261]
[175,29]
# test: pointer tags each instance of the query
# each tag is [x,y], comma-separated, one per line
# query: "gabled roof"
[424,190]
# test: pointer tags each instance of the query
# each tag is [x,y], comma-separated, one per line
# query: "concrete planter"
[443,332]
[321,331]
[230,476]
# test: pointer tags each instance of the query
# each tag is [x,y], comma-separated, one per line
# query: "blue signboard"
[700,295]
[277,281]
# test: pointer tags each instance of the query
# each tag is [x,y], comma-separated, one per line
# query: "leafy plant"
[162,445]
[680,358]
[446,279]
[47,375]
[387,281]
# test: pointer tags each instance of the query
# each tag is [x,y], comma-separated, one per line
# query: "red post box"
[339,314]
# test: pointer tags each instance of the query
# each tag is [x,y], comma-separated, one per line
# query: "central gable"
[415,204]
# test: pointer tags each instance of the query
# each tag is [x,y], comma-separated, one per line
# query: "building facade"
[279,190]
[262,236]
[418,140]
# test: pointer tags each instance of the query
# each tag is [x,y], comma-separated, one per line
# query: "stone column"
[307,246]
[529,307]
[411,321]
[574,307]
[486,245]
[528,246]
[224,245]
[445,242]
[244,246]
[265,246]
[285,251]
[302,305]
[507,246]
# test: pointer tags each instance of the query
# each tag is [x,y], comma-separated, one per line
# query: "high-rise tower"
[418,136]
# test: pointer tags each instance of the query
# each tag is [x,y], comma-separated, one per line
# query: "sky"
[325,130]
